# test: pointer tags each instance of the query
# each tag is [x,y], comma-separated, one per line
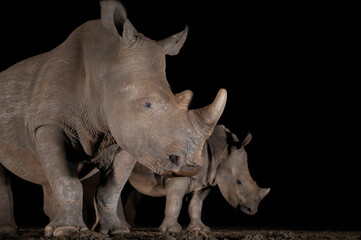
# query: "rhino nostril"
[174,159]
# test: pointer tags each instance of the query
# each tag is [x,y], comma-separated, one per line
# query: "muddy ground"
[218,234]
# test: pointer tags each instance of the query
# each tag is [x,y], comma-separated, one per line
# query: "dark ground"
[289,70]
[219,234]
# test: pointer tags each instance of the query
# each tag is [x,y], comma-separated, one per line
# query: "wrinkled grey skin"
[225,165]
[101,98]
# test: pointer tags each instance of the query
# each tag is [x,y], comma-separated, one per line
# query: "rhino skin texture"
[224,164]
[100,97]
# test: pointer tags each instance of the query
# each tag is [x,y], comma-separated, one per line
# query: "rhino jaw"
[248,210]
[182,167]
[187,170]
[178,171]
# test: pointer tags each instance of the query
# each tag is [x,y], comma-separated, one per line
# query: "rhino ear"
[183,99]
[174,43]
[114,19]
[247,139]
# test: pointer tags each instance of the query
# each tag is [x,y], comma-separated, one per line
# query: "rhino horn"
[264,191]
[204,119]
[183,99]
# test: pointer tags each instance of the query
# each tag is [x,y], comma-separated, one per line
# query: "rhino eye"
[148,105]
[239,182]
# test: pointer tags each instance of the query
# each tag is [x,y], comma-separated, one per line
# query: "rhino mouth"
[186,170]
[169,168]
[179,171]
[247,210]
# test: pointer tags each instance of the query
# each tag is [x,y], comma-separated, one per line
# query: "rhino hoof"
[170,229]
[50,231]
[119,231]
[198,228]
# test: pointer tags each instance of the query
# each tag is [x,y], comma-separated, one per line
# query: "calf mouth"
[247,210]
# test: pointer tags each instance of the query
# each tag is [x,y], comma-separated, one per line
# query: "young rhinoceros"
[103,92]
[225,165]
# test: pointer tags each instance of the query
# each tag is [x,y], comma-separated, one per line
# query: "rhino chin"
[187,170]
[176,171]
[247,210]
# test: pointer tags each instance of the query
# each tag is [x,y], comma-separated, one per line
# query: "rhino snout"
[248,210]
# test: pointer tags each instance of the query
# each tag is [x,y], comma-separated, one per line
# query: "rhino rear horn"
[206,118]
[114,19]
[183,99]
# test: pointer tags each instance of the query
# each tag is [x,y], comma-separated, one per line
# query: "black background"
[287,68]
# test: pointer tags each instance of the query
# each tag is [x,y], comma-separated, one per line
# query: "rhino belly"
[22,163]
[16,153]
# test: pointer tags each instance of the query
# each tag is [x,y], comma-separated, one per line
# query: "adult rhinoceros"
[225,166]
[103,92]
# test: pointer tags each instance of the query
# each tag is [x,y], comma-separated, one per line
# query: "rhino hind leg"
[7,221]
[61,173]
[130,209]
[195,211]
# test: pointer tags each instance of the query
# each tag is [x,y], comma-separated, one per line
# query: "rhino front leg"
[7,221]
[50,203]
[61,172]
[175,190]
[120,212]
[108,194]
[195,211]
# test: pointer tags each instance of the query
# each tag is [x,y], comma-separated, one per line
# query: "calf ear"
[114,19]
[247,139]
[183,99]
[174,43]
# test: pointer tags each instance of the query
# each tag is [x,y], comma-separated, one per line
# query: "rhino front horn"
[264,192]
[204,119]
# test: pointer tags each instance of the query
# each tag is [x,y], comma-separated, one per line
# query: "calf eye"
[239,182]
[148,105]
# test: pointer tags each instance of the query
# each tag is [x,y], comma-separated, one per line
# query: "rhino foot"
[112,227]
[119,231]
[8,229]
[170,227]
[113,230]
[50,231]
[198,226]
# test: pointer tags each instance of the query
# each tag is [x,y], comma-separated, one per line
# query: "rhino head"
[138,108]
[236,183]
